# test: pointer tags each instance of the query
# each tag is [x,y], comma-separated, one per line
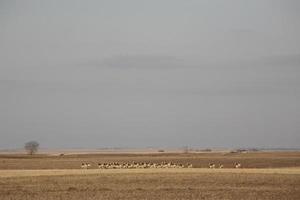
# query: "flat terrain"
[265,175]
[199,160]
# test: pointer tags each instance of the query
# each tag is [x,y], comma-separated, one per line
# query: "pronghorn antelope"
[88,165]
[237,165]
[211,165]
[190,166]
[102,165]
[221,166]
[85,165]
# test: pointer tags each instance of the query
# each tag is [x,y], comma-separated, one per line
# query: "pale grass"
[61,172]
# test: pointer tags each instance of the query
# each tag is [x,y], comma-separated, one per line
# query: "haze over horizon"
[160,73]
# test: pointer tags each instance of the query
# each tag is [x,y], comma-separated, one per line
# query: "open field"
[199,160]
[63,172]
[153,184]
[265,175]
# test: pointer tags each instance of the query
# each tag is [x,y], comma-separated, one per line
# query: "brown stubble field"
[265,175]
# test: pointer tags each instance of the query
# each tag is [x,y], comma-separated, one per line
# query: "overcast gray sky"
[161,73]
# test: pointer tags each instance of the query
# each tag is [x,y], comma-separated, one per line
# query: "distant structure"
[185,149]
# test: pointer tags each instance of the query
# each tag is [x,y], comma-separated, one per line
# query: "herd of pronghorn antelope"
[145,165]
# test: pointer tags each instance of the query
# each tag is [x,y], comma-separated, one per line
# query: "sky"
[159,73]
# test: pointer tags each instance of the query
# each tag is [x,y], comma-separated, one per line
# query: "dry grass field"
[199,160]
[265,175]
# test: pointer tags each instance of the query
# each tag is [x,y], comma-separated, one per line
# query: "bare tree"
[31,147]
